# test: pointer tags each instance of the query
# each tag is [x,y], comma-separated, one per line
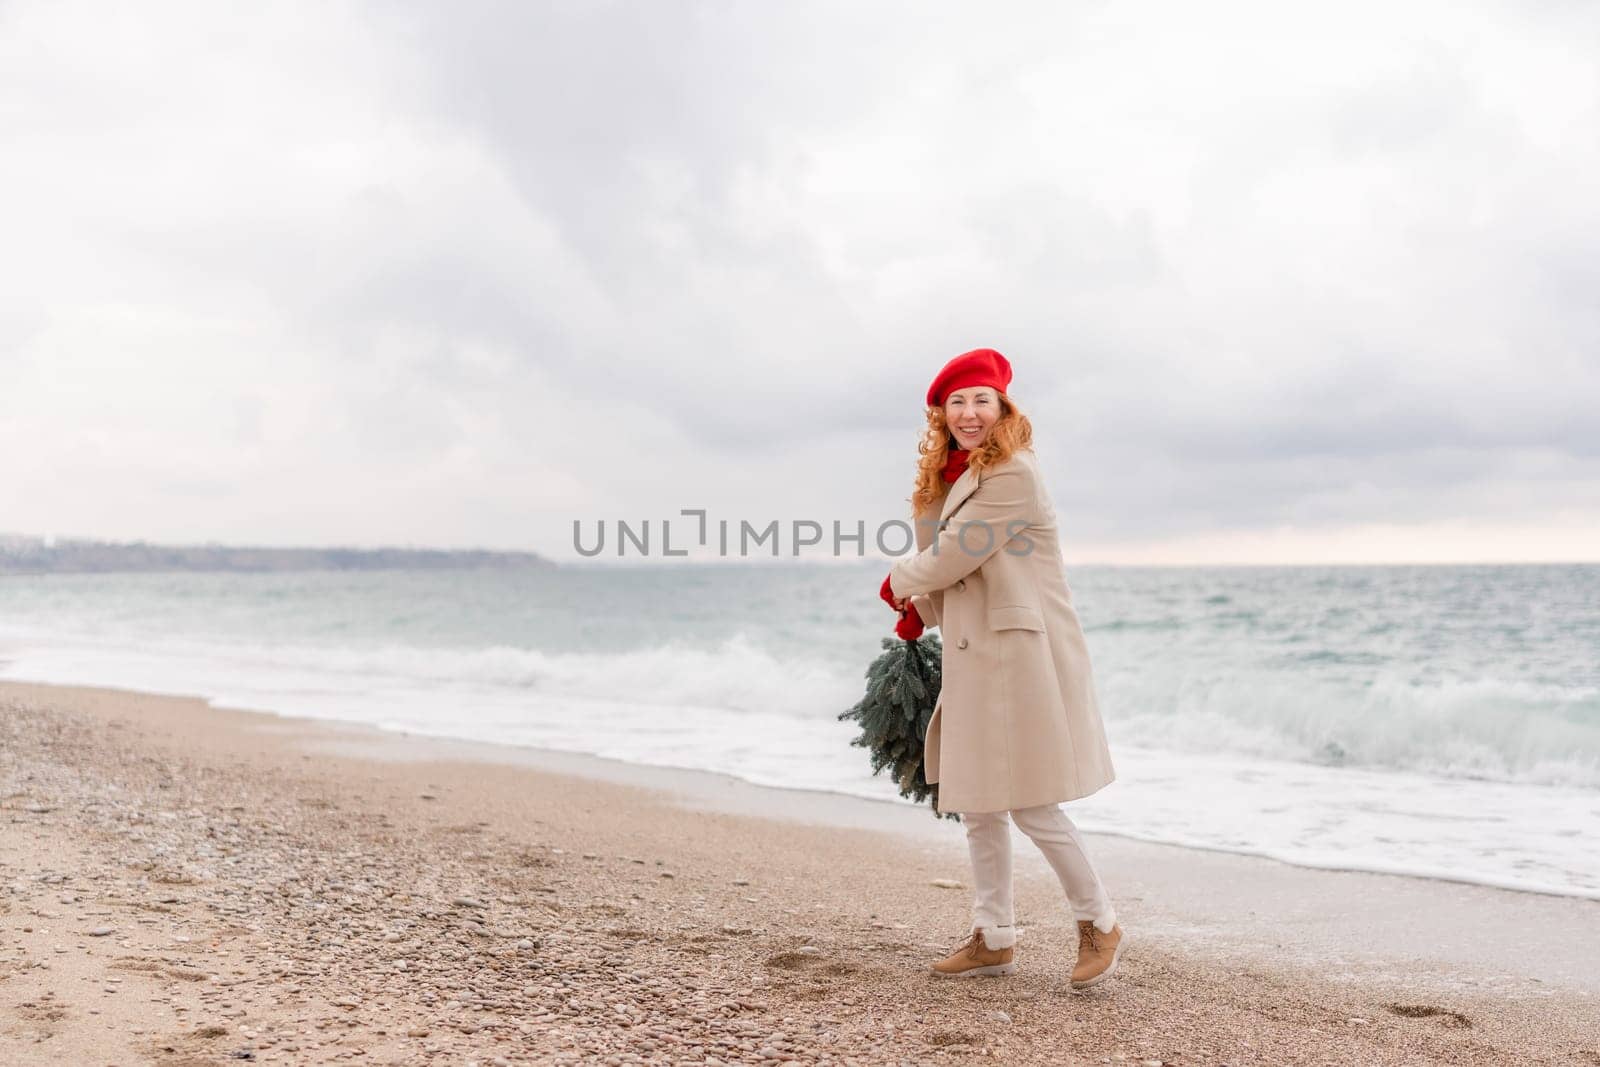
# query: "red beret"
[981,366]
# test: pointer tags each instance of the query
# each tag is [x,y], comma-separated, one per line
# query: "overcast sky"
[1278,282]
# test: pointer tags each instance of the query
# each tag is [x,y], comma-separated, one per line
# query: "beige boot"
[1098,952]
[975,958]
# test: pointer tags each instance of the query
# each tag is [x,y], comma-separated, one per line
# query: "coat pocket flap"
[1015,617]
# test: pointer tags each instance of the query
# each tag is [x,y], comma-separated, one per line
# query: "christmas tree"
[902,689]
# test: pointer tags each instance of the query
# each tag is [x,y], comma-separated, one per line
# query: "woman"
[1016,729]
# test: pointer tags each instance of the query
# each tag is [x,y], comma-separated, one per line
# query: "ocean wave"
[1485,728]
[1482,729]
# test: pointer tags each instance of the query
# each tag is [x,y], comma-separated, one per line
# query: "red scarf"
[955,463]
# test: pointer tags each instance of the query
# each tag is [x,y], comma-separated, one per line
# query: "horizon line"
[765,560]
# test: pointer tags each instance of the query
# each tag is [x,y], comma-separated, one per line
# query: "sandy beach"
[181,884]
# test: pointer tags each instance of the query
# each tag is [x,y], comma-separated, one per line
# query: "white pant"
[989,841]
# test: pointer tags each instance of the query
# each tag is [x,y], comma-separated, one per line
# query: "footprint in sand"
[1423,1011]
[811,961]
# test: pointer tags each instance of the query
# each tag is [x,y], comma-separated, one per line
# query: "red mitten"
[887,593]
[910,625]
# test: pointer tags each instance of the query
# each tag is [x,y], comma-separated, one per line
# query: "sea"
[1435,721]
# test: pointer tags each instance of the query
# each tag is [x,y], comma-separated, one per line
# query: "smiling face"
[971,413]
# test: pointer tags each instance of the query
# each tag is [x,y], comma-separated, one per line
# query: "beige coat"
[1017,723]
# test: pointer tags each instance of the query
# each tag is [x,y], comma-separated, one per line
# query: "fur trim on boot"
[998,936]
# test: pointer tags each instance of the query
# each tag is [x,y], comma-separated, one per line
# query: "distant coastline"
[21,554]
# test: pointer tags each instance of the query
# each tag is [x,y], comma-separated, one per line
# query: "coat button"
[963,643]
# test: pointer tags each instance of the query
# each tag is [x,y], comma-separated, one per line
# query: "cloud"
[487,269]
